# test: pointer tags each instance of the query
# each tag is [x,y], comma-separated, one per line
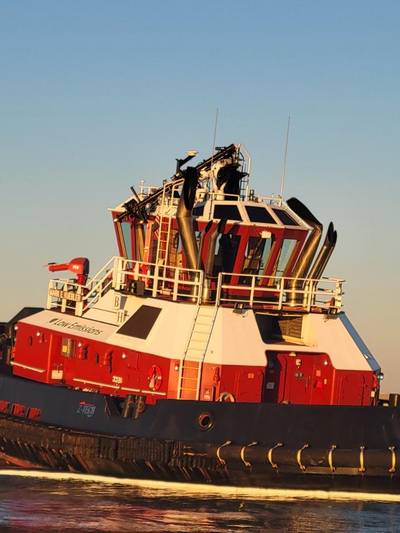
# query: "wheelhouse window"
[127,237]
[285,218]
[257,253]
[198,211]
[285,254]
[226,252]
[228,211]
[259,214]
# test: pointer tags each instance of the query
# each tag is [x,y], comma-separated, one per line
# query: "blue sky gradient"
[96,95]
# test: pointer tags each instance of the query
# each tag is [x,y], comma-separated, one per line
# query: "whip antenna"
[214,138]
[285,158]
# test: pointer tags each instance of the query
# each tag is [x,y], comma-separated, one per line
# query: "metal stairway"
[190,371]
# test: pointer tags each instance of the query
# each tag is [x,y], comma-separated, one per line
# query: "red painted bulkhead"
[51,357]
[310,378]
[298,378]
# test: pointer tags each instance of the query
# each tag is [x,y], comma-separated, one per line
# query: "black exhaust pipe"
[184,216]
[324,255]
[307,254]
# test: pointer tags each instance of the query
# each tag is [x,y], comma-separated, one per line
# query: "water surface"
[73,503]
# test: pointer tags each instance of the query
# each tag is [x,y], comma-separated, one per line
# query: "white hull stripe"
[88,382]
[27,367]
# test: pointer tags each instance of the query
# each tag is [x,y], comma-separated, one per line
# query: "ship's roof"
[249,212]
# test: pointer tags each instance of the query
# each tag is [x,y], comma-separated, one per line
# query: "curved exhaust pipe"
[307,254]
[309,249]
[139,240]
[184,216]
[324,255]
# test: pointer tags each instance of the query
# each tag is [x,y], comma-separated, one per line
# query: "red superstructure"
[216,294]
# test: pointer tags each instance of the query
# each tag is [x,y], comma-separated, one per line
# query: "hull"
[240,444]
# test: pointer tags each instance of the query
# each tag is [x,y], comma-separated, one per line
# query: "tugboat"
[212,349]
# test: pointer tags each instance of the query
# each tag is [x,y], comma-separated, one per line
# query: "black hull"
[249,445]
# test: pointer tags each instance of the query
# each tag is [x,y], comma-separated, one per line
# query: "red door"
[298,379]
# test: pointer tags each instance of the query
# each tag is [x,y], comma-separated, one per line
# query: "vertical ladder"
[164,231]
[192,363]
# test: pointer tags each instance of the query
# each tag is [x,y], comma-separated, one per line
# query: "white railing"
[159,280]
[71,296]
[126,275]
[279,292]
[190,285]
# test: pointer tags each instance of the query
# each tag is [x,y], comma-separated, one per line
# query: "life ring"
[154,377]
[226,397]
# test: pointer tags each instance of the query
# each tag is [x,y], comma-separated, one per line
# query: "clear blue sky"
[95,95]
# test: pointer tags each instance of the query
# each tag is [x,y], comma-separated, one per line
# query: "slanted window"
[198,211]
[226,252]
[228,211]
[259,214]
[285,218]
[126,232]
[257,253]
[285,254]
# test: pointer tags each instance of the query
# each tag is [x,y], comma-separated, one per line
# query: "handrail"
[191,285]
[325,293]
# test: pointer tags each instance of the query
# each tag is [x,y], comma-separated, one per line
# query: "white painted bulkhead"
[235,338]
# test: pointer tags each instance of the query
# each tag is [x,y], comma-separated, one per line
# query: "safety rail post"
[307,290]
[310,294]
[64,300]
[218,292]
[155,281]
[338,294]
[115,275]
[200,287]
[79,305]
[176,284]
[136,271]
[281,292]
[253,284]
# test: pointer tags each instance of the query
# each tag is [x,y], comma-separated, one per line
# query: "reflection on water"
[30,504]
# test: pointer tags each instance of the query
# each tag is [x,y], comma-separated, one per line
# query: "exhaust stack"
[308,252]
[139,239]
[325,253]
[184,216]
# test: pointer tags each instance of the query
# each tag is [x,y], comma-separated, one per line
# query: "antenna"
[214,138]
[285,158]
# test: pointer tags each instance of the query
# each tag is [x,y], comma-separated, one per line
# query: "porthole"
[205,421]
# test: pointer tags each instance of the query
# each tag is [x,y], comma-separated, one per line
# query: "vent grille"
[279,328]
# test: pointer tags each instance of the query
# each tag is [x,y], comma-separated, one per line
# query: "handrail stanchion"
[136,271]
[281,292]
[218,292]
[79,304]
[200,287]
[155,281]
[306,295]
[312,294]
[253,284]
[176,284]
[338,294]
